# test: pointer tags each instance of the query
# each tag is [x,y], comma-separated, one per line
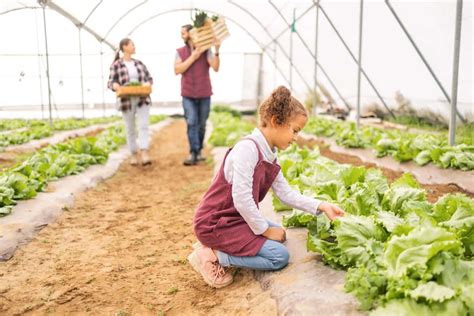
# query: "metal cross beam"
[420,54]
[355,59]
[275,42]
[313,55]
[53,6]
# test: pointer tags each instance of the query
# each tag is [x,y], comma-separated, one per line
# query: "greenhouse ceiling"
[109,20]
[406,49]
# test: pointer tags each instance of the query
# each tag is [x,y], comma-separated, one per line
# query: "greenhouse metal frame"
[286,19]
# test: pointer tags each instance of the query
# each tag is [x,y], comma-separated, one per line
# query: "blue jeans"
[196,112]
[272,256]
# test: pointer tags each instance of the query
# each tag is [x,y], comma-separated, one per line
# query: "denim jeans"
[196,112]
[142,114]
[272,256]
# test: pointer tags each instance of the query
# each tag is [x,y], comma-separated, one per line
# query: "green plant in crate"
[199,18]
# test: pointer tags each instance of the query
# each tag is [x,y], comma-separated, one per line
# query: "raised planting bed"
[46,185]
[402,146]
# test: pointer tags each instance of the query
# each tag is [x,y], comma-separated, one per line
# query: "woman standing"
[123,71]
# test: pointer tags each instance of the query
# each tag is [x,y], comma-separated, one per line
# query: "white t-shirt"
[132,70]
[132,77]
[238,171]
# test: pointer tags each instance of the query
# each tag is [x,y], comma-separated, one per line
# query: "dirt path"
[434,191]
[122,249]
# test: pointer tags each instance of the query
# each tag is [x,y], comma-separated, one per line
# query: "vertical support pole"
[82,72]
[420,54]
[102,77]
[454,85]
[291,49]
[316,37]
[39,65]
[259,79]
[47,67]
[275,61]
[359,61]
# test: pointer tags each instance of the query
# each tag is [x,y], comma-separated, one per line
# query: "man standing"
[193,65]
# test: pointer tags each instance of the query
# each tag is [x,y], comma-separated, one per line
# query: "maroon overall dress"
[218,224]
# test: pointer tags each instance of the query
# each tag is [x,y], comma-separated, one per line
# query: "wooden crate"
[220,30]
[205,36]
[125,91]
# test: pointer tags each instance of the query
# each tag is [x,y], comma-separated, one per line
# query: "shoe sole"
[196,264]
[194,261]
[189,164]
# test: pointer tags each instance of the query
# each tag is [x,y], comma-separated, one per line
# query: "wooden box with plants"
[134,89]
[206,31]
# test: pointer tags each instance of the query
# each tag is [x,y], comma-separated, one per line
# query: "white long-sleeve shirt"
[239,169]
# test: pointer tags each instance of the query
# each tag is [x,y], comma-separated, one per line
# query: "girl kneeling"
[228,223]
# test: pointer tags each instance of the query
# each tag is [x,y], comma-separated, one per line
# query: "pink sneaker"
[204,261]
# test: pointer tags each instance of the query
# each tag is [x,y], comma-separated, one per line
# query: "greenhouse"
[209,157]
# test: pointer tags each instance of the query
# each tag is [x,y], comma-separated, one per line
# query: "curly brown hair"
[281,106]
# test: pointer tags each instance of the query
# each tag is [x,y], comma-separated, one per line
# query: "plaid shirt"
[119,74]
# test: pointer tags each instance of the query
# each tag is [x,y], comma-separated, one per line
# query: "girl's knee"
[282,256]
[276,253]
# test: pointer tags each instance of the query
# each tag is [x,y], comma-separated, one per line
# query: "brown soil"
[434,190]
[122,249]
[7,160]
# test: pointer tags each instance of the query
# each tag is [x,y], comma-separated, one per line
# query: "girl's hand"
[275,233]
[146,84]
[332,211]
[115,86]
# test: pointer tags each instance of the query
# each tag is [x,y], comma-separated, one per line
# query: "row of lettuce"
[31,176]
[227,126]
[422,148]
[403,255]
[28,130]
[58,124]
[401,145]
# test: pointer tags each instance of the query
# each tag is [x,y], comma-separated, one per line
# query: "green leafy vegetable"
[404,255]
[401,145]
